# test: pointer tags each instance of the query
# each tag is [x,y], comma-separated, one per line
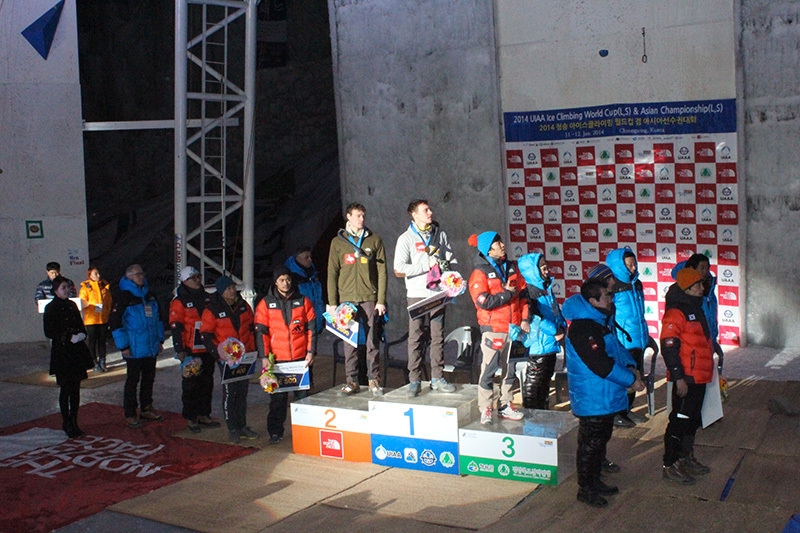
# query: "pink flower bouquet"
[344,316]
[231,351]
[267,380]
[191,367]
[453,283]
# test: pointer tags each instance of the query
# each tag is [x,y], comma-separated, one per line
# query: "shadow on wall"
[773,330]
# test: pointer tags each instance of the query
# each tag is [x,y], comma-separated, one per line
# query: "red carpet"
[48,481]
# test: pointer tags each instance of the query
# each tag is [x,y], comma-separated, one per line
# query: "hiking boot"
[693,467]
[193,426]
[375,388]
[610,467]
[150,414]
[605,490]
[207,421]
[97,368]
[233,436]
[248,434]
[623,421]
[486,416]
[442,385]
[414,388]
[133,422]
[275,439]
[510,413]
[676,474]
[103,367]
[350,388]
[591,498]
[637,418]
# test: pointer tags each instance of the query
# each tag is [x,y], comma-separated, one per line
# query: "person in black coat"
[69,355]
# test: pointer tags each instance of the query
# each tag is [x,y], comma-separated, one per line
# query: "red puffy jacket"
[221,321]
[286,325]
[685,340]
[497,307]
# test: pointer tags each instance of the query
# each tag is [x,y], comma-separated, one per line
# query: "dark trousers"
[638,357]
[536,387]
[96,340]
[366,317]
[234,403]
[594,432]
[139,369]
[69,396]
[684,420]
[198,390]
[278,404]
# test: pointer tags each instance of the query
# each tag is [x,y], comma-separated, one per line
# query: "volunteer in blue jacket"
[600,371]
[138,333]
[631,325]
[547,328]
[305,278]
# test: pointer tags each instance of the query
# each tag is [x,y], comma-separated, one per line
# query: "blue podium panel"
[540,448]
[421,433]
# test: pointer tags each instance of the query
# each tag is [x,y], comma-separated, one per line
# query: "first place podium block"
[327,424]
[538,449]
[421,433]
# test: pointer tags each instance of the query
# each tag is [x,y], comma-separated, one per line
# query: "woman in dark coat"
[69,355]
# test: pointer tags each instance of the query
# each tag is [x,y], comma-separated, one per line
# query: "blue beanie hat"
[601,272]
[484,241]
[223,282]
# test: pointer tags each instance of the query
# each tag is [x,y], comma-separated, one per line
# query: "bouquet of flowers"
[453,283]
[344,316]
[191,366]
[267,379]
[231,351]
[723,388]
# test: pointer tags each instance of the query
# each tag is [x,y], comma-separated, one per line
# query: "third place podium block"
[421,433]
[327,424]
[538,449]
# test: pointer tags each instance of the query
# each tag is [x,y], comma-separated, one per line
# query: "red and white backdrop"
[661,178]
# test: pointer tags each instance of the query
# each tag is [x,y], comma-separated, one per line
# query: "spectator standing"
[229,315]
[423,248]
[357,274]
[689,356]
[96,297]
[305,279]
[600,371]
[139,335]
[632,330]
[547,329]
[285,326]
[44,291]
[185,319]
[495,286]
[69,356]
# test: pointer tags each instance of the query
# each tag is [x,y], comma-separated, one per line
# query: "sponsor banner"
[505,469]
[415,454]
[431,304]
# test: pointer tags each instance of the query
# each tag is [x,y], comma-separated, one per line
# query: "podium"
[421,433]
[329,425]
[540,448]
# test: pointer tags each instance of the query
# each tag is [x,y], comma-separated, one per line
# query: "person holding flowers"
[285,327]
[228,316]
[197,365]
[423,253]
[357,274]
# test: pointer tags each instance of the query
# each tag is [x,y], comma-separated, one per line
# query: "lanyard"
[425,242]
[502,270]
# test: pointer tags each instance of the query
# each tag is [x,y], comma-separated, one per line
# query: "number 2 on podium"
[410,415]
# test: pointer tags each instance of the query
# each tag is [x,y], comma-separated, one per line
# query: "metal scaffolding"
[214,159]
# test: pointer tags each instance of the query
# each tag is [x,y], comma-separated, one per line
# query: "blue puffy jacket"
[309,286]
[629,301]
[135,322]
[710,303]
[597,364]
[546,318]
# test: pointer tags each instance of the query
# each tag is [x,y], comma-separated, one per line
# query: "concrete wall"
[417,107]
[770,39]
[41,158]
